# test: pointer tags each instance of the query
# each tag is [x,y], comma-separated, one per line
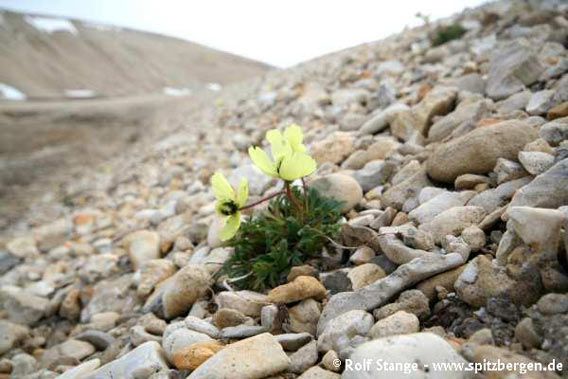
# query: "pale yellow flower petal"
[297,166]
[279,146]
[221,187]
[243,192]
[294,136]
[262,161]
[232,224]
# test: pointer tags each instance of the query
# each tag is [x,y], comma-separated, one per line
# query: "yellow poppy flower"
[229,203]
[289,160]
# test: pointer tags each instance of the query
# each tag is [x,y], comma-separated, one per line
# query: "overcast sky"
[278,32]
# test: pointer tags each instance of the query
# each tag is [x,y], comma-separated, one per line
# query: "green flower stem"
[261,201]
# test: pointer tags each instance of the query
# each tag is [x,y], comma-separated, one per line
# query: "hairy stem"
[261,201]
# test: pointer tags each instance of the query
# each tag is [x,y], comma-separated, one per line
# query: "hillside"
[47,57]
[447,148]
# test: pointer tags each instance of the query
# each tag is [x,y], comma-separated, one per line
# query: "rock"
[525,333]
[10,335]
[7,262]
[334,149]
[193,356]
[23,247]
[226,317]
[381,120]
[351,122]
[511,68]
[82,370]
[339,187]
[365,274]
[142,246]
[439,101]
[141,362]
[21,306]
[248,303]
[258,182]
[111,296]
[555,132]
[23,365]
[182,338]
[395,250]
[304,358]
[474,237]
[304,270]
[174,296]
[405,190]
[547,190]
[514,102]
[71,306]
[493,199]
[201,326]
[362,255]
[453,221]
[539,228]
[507,170]
[304,316]
[241,331]
[331,361]
[425,348]
[477,151]
[349,96]
[53,234]
[341,332]
[153,272]
[317,372]
[470,181]
[100,340]
[558,111]
[376,294]
[428,210]
[74,349]
[293,341]
[400,322]
[553,303]
[540,102]
[411,301]
[139,335]
[482,280]
[303,287]
[446,280]
[373,174]
[536,162]
[253,358]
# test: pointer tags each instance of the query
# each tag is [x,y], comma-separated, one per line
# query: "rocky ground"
[453,165]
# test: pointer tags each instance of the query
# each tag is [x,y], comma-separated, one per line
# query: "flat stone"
[400,322]
[453,221]
[340,187]
[477,151]
[253,358]
[141,362]
[142,246]
[248,303]
[303,287]
[21,306]
[536,162]
[547,190]
[339,334]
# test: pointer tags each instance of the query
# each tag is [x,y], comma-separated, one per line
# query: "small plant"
[448,33]
[294,228]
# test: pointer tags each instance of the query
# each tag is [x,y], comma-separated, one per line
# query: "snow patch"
[10,93]
[50,25]
[172,91]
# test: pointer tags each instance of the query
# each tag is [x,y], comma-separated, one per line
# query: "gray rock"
[142,246]
[381,120]
[378,293]
[141,362]
[540,102]
[453,221]
[100,340]
[181,338]
[111,296]
[494,198]
[428,210]
[248,303]
[477,151]
[411,301]
[304,358]
[536,162]
[241,331]
[258,182]
[317,372]
[293,341]
[547,190]
[253,358]
[175,295]
[21,306]
[555,131]
[201,326]
[373,174]
[507,170]
[512,67]
[405,190]
[466,112]
[341,332]
[11,334]
[82,370]
[422,348]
